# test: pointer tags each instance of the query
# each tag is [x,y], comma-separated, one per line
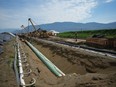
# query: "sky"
[14,13]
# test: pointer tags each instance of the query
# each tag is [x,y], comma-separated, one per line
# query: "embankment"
[70,60]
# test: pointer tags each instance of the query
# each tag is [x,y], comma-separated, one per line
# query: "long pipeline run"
[47,62]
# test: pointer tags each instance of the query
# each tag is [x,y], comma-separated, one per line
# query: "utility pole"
[76,34]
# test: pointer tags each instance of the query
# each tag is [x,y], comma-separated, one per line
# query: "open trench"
[73,61]
[60,61]
[86,66]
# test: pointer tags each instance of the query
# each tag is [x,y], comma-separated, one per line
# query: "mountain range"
[71,26]
[8,30]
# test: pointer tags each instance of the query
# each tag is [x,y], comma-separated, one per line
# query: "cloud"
[47,12]
[10,19]
[108,1]
[67,10]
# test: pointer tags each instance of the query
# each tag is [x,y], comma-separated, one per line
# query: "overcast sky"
[14,13]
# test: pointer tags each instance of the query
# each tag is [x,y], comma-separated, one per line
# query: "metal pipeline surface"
[47,62]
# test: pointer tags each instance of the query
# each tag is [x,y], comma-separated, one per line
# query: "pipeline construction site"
[40,59]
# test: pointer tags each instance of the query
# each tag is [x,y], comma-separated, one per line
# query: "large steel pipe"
[47,62]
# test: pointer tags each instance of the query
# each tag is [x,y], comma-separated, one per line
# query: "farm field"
[109,33]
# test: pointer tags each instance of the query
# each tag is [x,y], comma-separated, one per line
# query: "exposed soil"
[7,75]
[88,62]
[82,68]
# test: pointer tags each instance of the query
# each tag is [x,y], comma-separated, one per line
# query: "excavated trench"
[72,61]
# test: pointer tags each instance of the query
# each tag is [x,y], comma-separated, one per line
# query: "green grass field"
[109,33]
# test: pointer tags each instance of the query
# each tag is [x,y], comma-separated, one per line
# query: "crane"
[26,31]
[38,33]
[32,24]
[23,27]
[23,35]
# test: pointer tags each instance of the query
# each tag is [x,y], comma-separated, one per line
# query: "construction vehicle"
[38,32]
[25,34]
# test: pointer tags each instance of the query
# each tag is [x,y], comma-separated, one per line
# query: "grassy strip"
[109,33]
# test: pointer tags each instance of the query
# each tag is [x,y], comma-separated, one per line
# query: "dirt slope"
[7,75]
[92,70]
[82,69]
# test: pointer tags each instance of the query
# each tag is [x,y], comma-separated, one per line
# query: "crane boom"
[23,27]
[38,33]
[32,24]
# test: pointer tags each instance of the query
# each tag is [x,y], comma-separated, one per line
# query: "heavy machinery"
[23,34]
[38,32]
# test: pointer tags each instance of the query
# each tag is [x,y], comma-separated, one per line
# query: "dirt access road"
[67,39]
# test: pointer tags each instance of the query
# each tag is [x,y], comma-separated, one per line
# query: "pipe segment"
[22,82]
[19,57]
[15,67]
[47,62]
